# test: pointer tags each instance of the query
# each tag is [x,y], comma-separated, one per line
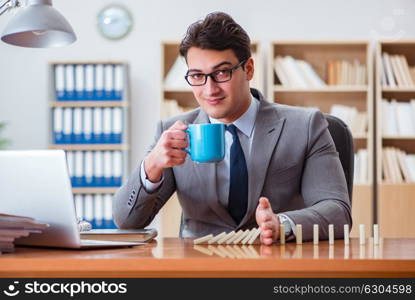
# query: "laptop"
[36,184]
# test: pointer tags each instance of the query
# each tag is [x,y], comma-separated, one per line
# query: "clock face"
[114,22]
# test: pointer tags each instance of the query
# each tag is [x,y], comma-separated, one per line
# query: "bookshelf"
[178,97]
[395,197]
[348,67]
[89,119]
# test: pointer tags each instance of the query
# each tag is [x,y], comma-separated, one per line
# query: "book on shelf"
[361,174]
[171,108]
[13,227]
[296,73]
[355,120]
[396,72]
[398,118]
[89,82]
[343,72]
[397,165]
[127,235]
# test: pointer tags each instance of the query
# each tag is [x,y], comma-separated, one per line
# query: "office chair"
[343,141]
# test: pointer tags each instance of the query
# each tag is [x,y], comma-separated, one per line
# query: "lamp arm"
[7,4]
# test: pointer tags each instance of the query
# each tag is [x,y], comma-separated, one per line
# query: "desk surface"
[174,257]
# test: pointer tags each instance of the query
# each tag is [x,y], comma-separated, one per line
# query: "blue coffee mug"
[206,142]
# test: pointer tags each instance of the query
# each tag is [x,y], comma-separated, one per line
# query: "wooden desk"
[179,258]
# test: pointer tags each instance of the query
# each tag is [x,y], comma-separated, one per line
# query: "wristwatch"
[287,225]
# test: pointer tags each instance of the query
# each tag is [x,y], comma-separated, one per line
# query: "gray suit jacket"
[293,163]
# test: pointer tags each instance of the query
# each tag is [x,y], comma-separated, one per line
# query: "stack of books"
[13,227]
[356,120]
[343,72]
[398,118]
[397,166]
[361,174]
[396,72]
[296,73]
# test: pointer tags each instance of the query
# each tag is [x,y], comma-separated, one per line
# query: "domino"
[346,234]
[282,234]
[203,239]
[346,252]
[216,251]
[254,236]
[315,252]
[331,234]
[246,251]
[202,249]
[253,252]
[233,251]
[248,236]
[238,250]
[216,238]
[241,237]
[235,236]
[375,234]
[362,239]
[226,252]
[225,237]
[299,234]
[315,234]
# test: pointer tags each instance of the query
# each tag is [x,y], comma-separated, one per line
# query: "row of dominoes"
[249,236]
[231,251]
[239,237]
[362,238]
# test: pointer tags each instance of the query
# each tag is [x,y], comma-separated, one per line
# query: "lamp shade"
[38,25]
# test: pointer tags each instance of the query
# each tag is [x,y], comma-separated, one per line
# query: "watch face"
[114,22]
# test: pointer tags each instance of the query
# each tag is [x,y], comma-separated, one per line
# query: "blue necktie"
[238,187]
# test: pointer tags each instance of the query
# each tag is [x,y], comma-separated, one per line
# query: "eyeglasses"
[198,79]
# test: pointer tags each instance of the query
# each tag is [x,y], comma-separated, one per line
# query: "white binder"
[87,124]
[98,211]
[89,167]
[69,81]
[99,80]
[58,124]
[77,126]
[109,80]
[89,80]
[79,206]
[79,81]
[67,124]
[88,207]
[97,129]
[70,162]
[60,81]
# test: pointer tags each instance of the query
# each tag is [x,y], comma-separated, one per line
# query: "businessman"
[280,166]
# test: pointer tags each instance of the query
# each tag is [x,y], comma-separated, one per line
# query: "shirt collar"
[246,122]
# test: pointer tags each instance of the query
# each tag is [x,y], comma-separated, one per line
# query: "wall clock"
[114,22]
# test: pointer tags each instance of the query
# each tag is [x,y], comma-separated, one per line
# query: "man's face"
[225,101]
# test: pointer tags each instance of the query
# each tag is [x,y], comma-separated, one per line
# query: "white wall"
[23,72]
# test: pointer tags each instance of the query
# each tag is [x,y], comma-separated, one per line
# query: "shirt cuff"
[149,186]
[292,224]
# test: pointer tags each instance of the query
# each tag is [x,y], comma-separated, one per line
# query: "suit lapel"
[268,128]
[206,177]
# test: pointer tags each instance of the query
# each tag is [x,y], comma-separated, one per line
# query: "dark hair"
[218,31]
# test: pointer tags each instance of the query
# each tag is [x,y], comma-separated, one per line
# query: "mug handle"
[187,150]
